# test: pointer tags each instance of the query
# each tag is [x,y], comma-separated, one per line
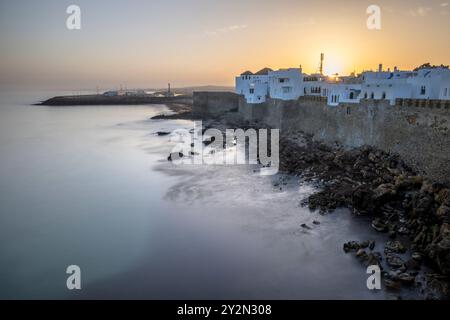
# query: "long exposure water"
[91,186]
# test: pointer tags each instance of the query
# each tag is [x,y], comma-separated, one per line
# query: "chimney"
[395,69]
[380,67]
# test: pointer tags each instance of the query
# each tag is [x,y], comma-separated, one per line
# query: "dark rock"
[394,247]
[175,156]
[443,197]
[394,261]
[384,193]
[304,225]
[374,258]
[413,264]
[162,133]
[351,246]
[361,253]
[439,250]
[406,278]
[316,222]
[391,284]
[372,245]
[379,226]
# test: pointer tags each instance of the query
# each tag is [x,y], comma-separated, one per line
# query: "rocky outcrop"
[378,184]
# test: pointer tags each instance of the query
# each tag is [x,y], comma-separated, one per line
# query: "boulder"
[378,225]
[384,193]
[394,247]
[394,261]
[443,197]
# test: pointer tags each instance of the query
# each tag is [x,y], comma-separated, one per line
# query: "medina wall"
[417,130]
[214,103]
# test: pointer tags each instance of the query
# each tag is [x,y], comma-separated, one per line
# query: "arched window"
[372,95]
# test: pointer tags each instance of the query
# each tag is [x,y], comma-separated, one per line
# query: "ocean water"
[91,186]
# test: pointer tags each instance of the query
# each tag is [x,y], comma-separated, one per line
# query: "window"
[352,95]
[383,96]
[365,95]
[281,80]
[423,90]
[252,90]
[372,95]
[286,89]
[445,92]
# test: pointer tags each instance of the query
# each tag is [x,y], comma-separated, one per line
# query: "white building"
[431,83]
[343,93]
[425,82]
[315,85]
[253,86]
[286,84]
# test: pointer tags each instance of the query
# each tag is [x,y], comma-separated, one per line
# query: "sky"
[148,43]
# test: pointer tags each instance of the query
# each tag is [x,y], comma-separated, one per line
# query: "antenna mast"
[322,56]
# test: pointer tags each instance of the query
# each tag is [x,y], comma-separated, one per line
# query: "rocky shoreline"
[412,210]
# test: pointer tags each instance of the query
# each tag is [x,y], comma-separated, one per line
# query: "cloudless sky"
[147,43]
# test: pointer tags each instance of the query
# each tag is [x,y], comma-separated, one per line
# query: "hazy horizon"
[195,43]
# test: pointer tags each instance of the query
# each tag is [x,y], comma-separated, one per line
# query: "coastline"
[411,210]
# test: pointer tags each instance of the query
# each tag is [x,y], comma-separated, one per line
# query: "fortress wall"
[418,131]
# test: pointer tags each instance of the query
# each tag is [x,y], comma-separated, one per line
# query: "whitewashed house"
[386,85]
[431,83]
[253,86]
[425,82]
[286,84]
[343,93]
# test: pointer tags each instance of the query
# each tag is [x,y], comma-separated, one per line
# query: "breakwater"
[83,100]
[417,131]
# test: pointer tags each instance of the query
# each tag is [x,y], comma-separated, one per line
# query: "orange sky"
[198,42]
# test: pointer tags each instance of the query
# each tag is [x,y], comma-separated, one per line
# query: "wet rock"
[412,264]
[439,250]
[361,253]
[351,246]
[416,256]
[316,222]
[406,278]
[391,284]
[305,226]
[422,203]
[162,133]
[394,261]
[384,192]
[372,245]
[374,258]
[175,156]
[443,197]
[443,212]
[408,183]
[394,247]
[362,199]
[378,225]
